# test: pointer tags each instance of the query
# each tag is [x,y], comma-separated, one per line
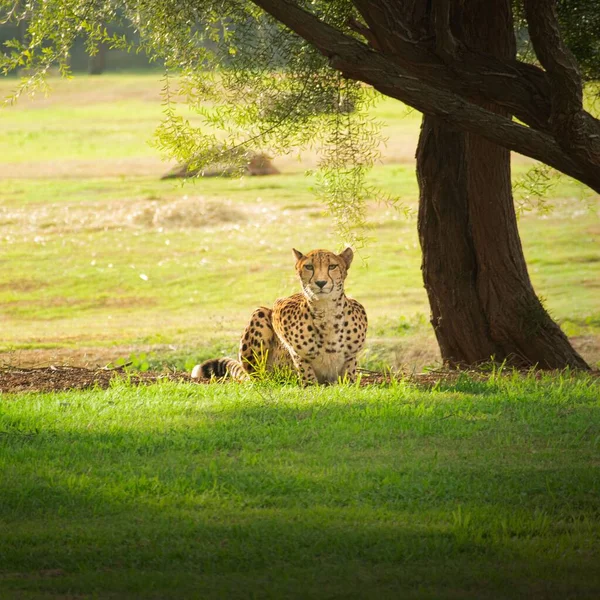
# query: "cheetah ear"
[347,255]
[299,255]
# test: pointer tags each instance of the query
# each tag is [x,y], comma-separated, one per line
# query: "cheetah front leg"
[305,370]
[349,369]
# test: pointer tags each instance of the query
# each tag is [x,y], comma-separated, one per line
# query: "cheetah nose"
[321,284]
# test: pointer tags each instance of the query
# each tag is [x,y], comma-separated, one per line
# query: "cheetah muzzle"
[319,332]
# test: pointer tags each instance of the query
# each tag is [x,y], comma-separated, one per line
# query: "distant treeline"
[105,60]
[118,60]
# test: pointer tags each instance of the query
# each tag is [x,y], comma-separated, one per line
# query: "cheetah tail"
[220,368]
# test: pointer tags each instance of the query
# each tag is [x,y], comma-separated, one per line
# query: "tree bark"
[575,130]
[449,261]
[483,305]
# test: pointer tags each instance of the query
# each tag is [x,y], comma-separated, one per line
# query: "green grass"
[75,253]
[81,118]
[88,117]
[472,490]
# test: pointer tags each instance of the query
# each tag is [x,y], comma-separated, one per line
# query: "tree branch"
[520,88]
[575,130]
[554,56]
[356,61]
[363,30]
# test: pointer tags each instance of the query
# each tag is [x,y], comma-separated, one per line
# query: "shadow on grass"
[153,545]
[341,496]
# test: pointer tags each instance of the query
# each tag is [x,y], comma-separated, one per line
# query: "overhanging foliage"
[288,74]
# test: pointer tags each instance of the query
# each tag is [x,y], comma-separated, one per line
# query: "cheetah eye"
[332,267]
[309,267]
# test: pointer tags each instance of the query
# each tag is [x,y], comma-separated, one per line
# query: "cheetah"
[318,332]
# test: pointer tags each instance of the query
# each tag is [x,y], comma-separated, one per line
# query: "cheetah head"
[322,273]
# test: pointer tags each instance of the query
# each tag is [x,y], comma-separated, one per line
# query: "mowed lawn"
[101,260]
[468,490]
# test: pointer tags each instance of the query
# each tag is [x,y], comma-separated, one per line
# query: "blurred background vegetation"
[109,60]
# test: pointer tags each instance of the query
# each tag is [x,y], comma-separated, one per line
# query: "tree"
[284,60]
[97,61]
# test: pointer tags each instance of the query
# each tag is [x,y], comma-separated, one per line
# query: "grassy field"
[100,260]
[474,488]
[470,490]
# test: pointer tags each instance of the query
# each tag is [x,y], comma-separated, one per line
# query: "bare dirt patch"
[63,378]
[57,379]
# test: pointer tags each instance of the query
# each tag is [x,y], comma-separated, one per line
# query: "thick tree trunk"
[482,303]
[449,260]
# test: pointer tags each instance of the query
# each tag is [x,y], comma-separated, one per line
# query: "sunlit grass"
[85,264]
[93,259]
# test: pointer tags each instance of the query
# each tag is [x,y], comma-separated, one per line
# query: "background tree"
[287,68]
[97,61]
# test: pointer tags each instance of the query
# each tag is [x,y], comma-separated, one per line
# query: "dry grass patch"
[186,212]
[182,212]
